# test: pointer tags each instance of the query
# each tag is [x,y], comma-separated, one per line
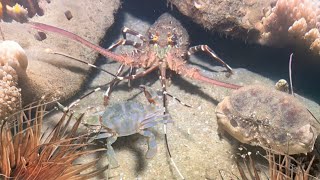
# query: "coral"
[13,62]
[291,22]
[19,12]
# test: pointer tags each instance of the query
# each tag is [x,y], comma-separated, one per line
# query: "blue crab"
[128,118]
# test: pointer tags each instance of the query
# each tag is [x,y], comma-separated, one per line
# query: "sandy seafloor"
[193,139]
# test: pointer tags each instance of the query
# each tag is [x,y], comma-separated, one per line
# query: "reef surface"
[49,74]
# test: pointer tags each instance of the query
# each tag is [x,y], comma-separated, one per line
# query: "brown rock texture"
[274,23]
[232,18]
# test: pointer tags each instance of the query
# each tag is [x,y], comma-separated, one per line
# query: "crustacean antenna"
[104,52]
[291,87]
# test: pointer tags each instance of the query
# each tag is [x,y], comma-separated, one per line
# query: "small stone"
[68,15]
[40,36]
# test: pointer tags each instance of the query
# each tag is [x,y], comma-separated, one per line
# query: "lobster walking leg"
[126,30]
[208,50]
[125,42]
[114,82]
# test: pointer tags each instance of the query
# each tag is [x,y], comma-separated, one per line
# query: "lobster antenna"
[290,74]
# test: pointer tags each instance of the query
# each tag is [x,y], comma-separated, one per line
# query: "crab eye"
[153,38]
[172,39]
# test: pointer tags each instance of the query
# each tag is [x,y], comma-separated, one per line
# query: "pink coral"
[292,21]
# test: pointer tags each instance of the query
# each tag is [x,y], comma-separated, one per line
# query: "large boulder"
[268,22]
[53,75]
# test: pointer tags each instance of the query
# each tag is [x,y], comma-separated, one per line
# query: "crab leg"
[152,144]
[110,152]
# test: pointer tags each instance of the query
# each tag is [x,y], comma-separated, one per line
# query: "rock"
[274,23]
[232,18]
[54,75]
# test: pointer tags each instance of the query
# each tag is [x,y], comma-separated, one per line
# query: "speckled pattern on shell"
[129,118]
[167,24]
[266,117]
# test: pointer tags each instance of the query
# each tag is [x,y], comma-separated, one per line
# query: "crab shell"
[261,116]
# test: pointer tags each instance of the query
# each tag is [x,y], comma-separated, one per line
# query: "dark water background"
[266,61]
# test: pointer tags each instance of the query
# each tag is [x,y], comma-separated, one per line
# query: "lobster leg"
[111,84]
[208,50]
[126,31]
[151,97]
[163,74]
[178,65]
[125,42]
[114,82]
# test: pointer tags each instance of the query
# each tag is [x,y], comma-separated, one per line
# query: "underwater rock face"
[274,23]
[229,17]
[266,117]
[50,74]
[13,62]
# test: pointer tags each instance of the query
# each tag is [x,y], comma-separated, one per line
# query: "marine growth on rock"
[291,22]
[13,62]
[19,10]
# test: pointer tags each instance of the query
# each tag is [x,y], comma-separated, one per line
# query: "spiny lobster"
[165,47]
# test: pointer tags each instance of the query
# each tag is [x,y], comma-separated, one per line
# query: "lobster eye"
[153,38]
[172,39]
